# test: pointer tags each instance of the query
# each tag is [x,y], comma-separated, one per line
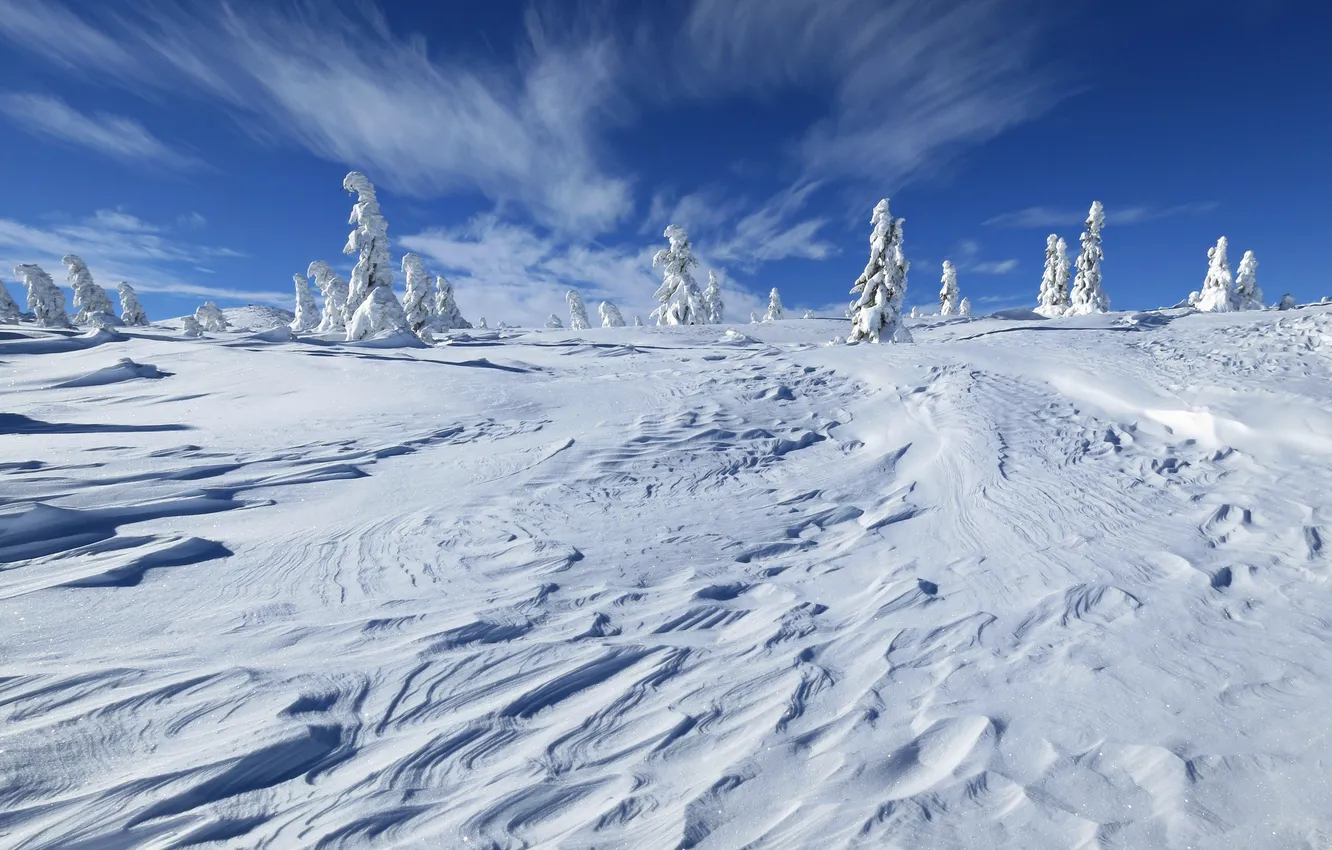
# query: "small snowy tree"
[334,290]
[877,314]
[809,314]
[610,315]
[190,326]
[554,322]
[1247,294]
[753,318]
[577,311]
[45,299]
[774,306]
[680,299]
[1053,298]
[1218,291]
[89,298]
[131,311]
[481,325]
[1087,295]
[9,308]
[638,321]
[948,294]
[964,309]
[713,306]
[210,317]
[447,315]
[376,308]
[419,304]
[307,311]
[1287,302]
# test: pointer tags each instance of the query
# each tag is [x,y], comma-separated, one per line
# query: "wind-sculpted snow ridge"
[1023,584]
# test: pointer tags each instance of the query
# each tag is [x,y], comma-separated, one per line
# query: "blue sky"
[198,151]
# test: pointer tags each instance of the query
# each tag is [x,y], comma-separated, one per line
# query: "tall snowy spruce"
[948,294]
[1053,298]
[964,309]
[375,309]
[876,316]
[577,311]
[1218,292]
[9,308]
[89,298]
[681,302]
[554,322]
[713,307]
[45,299]
[131,311]
[447,315]
[1247,294]
[775,309]
[1087,295]
[307,311]
[210,317]
[420,301]
[610,315]
[334,290]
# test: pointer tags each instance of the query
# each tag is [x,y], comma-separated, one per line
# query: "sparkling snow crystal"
[877,314]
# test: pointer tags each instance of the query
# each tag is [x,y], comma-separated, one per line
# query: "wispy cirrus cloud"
[1049,217]
[115,136]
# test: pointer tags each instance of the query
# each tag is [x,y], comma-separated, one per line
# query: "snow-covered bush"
[1193,298]
[680,299]
[131,311]
[89,298]
[915,313]
[948,293]
[190,326]
[377,309]
[577,311]
[420,302]
[481,325]
[964,309]
[334,290]
[210,317]
[712,301]
[554,322]
[610,315]
[1218,291]
[1053,299]
[638,321]
[1287,302]
[45,299]
[877,314]
[1088,296]
[774,306]
[9,308]
[1247,294]
[307,312]
[809,314]
[447,315]
[753,318]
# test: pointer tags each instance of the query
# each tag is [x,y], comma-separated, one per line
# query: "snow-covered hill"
[1020,584]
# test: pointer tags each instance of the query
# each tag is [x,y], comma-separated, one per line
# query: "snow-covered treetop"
[322,273]
[577,311]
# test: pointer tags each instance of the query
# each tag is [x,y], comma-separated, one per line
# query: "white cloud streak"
[1034,218]
[115,136]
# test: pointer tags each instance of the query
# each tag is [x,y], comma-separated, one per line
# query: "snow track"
[652,588]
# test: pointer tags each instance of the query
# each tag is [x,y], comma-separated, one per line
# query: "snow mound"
[390,339]
[125,370]
[257,317]
[277,333]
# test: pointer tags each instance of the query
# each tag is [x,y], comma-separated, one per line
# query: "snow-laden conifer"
[1053,299]
[948,293]
[420,301]
[210,317]
[681,302]
[45,299]
[447,315]
[1088,296]
[190,326]
[131,311]
[554,322]
[89,298]
[638,321]
[713,307]
[877,314]
[307,311]
[1247,294]
[753,318]
[370,296]
[610,315]
[334,290]
[481,325]
[964,309]
[809,314]
[1218,291]
[577,311]
[774,306]
[9,308]
[1287,302]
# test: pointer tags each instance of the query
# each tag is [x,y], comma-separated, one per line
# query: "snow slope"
[1021,584]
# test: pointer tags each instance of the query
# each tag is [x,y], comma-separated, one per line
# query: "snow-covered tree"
[577,311]
[774,306]
[131,311]
[447,315]
[1087,295]
[334,290]
[713,307]
[89,298]
[638,321]
[210,317]
[1287,302]
[915,313]
[809,314]
[964,309]
[1247,294]
[419,304]
[370,296]
[1053,298]
[610,315]
[680,299]
[554,322]
[190,326]
[45,299]
[877,314]
[481,325]
[948,294]
[9,308]
[753,318]
[1218,291]
[307,311]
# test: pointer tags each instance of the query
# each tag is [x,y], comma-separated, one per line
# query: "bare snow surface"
[1021,584]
